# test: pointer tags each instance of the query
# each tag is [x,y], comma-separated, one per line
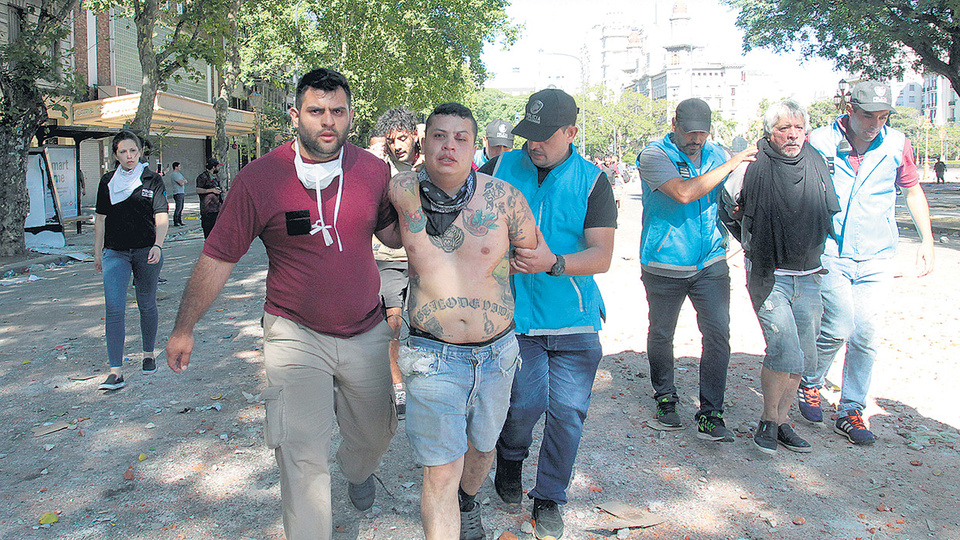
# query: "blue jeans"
[117,267]
[456,394]
[556,378]
[853,297]
[178,209]
[709,292]
[790,321]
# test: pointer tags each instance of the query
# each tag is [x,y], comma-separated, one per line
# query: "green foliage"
[622,126]
[822,113]
[416,53]
[876,39]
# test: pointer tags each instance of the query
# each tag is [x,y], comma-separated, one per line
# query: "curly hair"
[398,119]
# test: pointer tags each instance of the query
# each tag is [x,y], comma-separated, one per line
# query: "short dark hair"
[324,79]
[397,119]
[454,109]
[175,164]
[126,135]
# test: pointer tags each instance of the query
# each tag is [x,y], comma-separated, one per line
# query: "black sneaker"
[854,429]
[710,427]
[362,495]
[507,480]
[667,415]
[113,382]
[547,523]
[400,400]
[471,528]
[149,365]
[766,437]
[790,440]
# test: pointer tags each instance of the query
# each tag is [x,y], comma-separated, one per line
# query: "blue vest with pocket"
[682,237]
[866,226]
[547,305]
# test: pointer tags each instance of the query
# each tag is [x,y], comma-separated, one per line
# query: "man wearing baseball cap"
[683,255]
[868,160]
[559,309]
[497,139]
[208,188]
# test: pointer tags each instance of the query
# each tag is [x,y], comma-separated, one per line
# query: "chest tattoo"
[449,241]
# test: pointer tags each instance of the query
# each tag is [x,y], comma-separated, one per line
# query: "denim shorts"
[455,394]
[790,320]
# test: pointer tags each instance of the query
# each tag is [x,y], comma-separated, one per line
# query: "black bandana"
[441,209]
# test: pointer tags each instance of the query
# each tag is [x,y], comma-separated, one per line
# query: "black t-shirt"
[601,206]
[130,223]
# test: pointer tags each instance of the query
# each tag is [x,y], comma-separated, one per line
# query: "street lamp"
[583,95]
[843,93]
[616,146]
[256,101]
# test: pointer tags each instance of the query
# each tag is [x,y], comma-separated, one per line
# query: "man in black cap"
[497,140]
[683,255]
[208,188]
[559,309]
[868,161]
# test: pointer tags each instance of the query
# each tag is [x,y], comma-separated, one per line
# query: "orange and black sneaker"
[808,400]
[852,427]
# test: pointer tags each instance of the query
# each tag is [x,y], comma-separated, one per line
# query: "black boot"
[507,480]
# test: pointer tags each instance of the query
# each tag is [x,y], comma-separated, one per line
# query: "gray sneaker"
[548,524]
[362,495]
[471,528]
[113,382]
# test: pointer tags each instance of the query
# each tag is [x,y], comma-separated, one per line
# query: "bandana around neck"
[124,182]
[441,209]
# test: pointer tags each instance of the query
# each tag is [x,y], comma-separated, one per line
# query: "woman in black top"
[129,231]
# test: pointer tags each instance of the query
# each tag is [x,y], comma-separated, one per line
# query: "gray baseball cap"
[500,133]
[872,96]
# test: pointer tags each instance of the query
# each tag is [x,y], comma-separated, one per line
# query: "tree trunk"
[145,17]
[24,113]
[228,82]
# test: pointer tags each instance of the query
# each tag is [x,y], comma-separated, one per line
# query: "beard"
[319,150]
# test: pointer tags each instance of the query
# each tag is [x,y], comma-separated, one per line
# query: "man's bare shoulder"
[497,193]
[401,183]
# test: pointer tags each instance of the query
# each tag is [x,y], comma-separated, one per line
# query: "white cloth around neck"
[318,176]
[123,182]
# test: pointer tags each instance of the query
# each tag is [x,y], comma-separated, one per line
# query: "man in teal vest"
[868,161]
[558,305]
[683,255]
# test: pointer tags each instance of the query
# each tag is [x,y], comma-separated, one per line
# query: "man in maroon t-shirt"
[315,203]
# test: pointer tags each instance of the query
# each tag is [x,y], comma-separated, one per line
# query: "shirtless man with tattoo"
[457,227]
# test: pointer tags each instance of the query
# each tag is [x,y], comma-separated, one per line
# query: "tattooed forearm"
[450,240]
[479,223]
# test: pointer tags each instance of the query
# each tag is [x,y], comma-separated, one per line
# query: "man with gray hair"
[868,161]
[781,206]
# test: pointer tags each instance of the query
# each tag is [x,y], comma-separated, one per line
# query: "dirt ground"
[182,456]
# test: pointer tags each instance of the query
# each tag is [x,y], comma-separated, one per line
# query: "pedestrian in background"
[179,191]
[130,226]
[211,197]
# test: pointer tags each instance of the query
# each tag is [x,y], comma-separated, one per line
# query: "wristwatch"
[558,267]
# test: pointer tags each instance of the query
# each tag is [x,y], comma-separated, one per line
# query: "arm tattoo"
[479,223]
[449,241]
[416,221]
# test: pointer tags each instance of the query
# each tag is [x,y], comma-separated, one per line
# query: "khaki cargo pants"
[303,368]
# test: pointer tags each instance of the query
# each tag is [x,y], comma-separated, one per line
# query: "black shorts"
[393,283]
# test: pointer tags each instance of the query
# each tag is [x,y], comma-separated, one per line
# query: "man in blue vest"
[558,305]
[683,255]
[868,161]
